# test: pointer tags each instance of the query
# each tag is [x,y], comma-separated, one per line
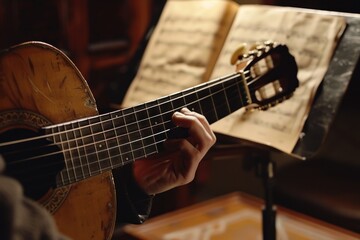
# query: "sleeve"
[133,203]
[20,217]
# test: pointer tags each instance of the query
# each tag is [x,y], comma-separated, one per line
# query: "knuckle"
[202,118]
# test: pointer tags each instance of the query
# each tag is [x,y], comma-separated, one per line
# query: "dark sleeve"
[20,217]
[133,204]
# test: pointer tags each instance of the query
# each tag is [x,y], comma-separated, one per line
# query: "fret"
[219,100]
[239,90]
[201,108]
[162,117]
[139,144]
[147,135]
[89,141]
[192,101]
[243,90]
[62,140]
[151,145]
[155,116]
[226,99]
[233,95]
[201,95]
[213,103]
[207,103]
[156,122]
[114,145]
[167,111]
[123,138]
[133,133]
[56,139]
[178,101]
[67,157]
[88,146]
[102,142]
[136,146]
[81,149]
[74,152]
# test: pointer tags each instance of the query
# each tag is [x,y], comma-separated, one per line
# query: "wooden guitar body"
[40,86]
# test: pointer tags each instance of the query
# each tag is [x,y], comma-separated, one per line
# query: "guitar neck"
[87,147]
[93,145]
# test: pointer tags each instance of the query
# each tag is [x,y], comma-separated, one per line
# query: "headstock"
[270,72]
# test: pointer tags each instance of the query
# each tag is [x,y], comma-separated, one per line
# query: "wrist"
[134,188]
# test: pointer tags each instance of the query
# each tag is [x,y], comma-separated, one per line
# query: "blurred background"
[105,39]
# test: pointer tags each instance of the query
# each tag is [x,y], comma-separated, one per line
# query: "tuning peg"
[269,43]
[238,54]
[245,51]
[261,48]
[253,53]
[265,107]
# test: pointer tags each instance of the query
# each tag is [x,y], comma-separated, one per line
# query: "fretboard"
[93,145]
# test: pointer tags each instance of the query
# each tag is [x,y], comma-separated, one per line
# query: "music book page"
[311,39]
[193,41]
[182,50]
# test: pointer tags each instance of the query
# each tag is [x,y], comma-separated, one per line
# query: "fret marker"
[156,123]
[126,159]
[100,146]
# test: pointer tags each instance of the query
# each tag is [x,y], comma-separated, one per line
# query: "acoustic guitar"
[62,151]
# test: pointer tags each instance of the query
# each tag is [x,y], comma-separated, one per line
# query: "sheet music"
[183,48]
[311,38]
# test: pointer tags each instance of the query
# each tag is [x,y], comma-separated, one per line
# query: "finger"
[200,134]
[201,118]
[188,158]
[203,121]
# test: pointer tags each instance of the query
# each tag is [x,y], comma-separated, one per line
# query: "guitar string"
[93,143]
[81,165]
[72,179]
[204,85]
[42,137]
[99,123]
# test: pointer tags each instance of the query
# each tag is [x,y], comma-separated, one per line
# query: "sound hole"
[34,163]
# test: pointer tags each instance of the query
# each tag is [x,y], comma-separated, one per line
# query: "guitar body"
[40,86]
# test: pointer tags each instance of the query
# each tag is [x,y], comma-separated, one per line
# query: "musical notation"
[311,38]
[195,45]
[182,50]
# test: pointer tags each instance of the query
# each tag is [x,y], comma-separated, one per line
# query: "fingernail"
[185,110]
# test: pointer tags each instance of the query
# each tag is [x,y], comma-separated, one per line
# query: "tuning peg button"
[238,54]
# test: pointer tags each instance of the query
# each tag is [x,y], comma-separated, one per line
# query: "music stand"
[342,69]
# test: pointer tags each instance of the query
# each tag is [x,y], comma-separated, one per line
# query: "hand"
[178,163]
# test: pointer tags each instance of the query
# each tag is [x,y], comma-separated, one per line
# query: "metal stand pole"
[266,171]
